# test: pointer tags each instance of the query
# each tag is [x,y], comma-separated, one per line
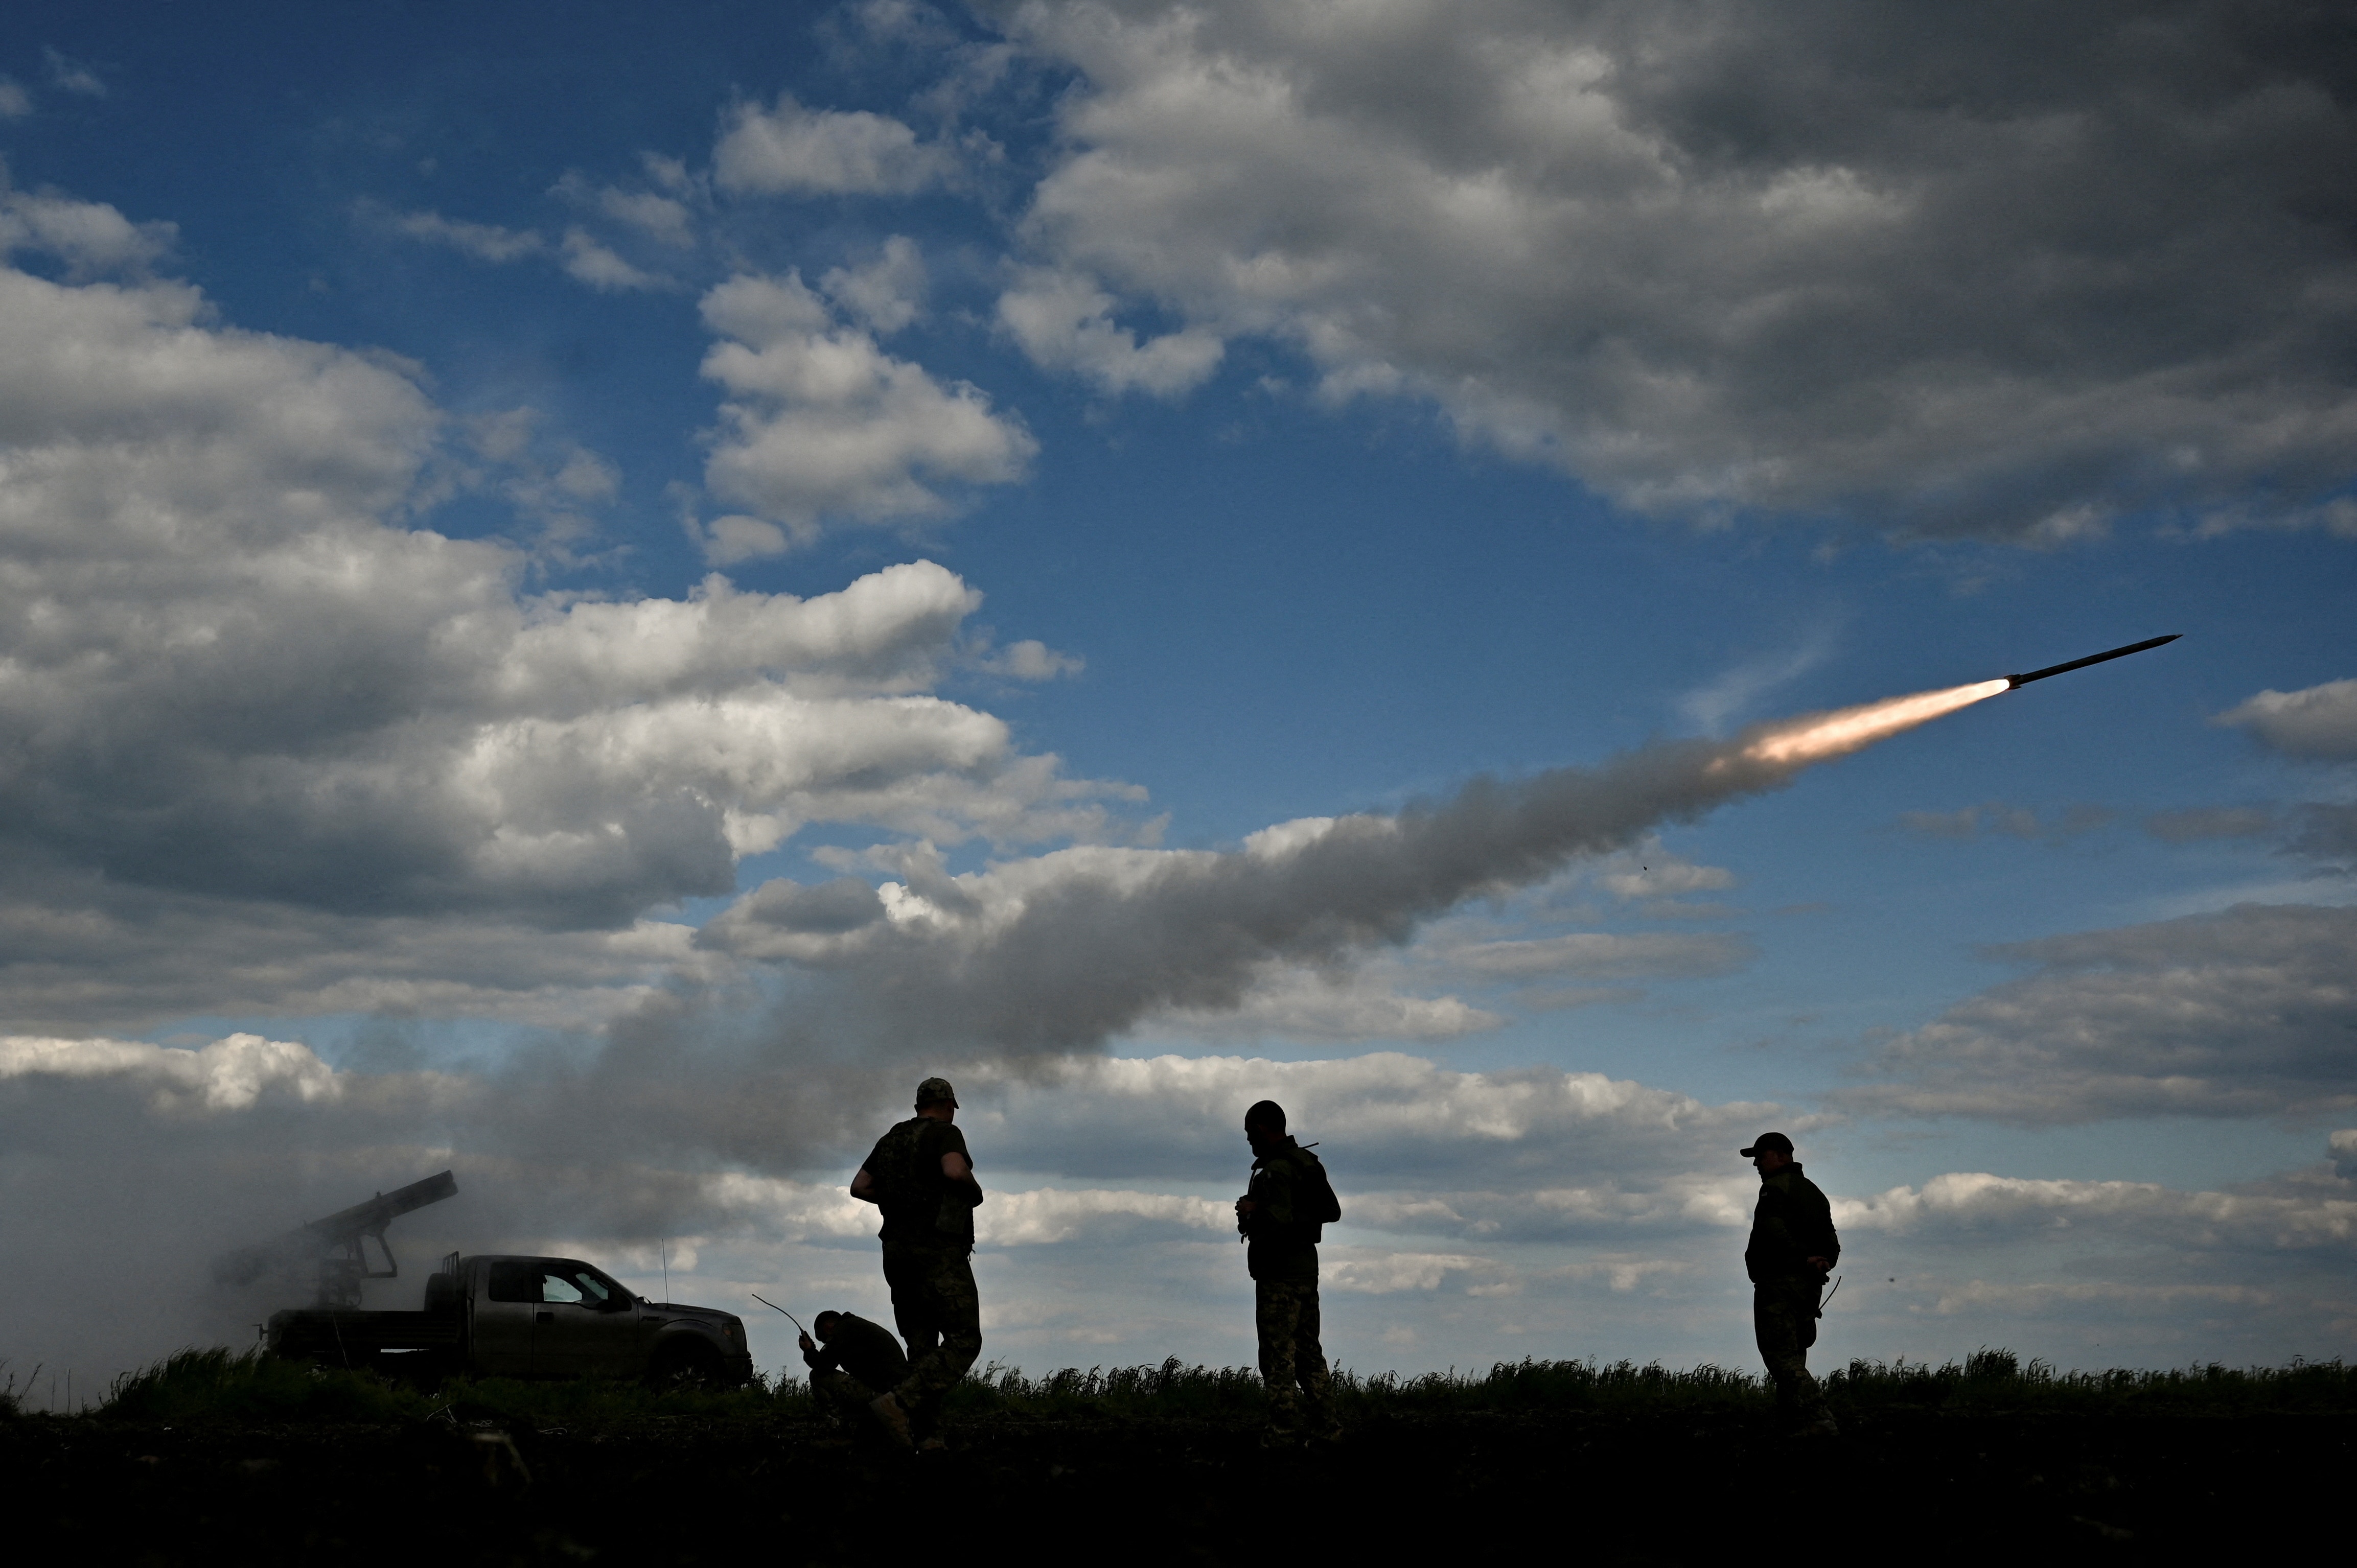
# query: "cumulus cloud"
[587,261]
[2000,277]
[90,237]
[820,423]
[2209,1221]
[14,101]
[1064,322]
[789,150]
[230,679]
[2250,1011]
[2318,722]
[887,292]
[665,218]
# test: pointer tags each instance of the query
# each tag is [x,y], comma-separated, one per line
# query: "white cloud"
[1601,955]
[790,150]
[1292,1002]
[1029,660]
[1064,322]
[2314,721]
[2205,1220]
[823,424]
[91,237]
[1050,1215]
[484,241]
[1366,1271]
[1649,872]
[14,101]
[240,700]
[1719,258]
[587,261]
[887,293]
[660,217]
[1396,1130]
[2243,1013]
[229,1074]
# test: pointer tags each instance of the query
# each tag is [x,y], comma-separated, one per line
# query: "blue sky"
[1296,415]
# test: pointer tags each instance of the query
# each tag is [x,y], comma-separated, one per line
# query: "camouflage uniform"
[1791,1224]
[928,1239]
[857,1363]
[1281,1253]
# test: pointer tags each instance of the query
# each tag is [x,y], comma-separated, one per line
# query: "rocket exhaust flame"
[1818,737]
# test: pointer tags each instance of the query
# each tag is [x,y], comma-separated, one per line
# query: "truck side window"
[513,1282]
[587,1286]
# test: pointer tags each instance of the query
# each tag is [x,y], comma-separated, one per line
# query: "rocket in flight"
[2013,681]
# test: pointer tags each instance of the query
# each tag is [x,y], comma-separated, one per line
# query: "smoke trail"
[1068,951]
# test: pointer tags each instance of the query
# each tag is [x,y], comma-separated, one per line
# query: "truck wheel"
[687,1364]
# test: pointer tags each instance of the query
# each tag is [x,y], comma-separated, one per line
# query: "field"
[214,1457]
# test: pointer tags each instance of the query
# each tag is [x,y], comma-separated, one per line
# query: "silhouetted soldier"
[1793,1248]
[860,1360]
[1282,1216]
[920,1175]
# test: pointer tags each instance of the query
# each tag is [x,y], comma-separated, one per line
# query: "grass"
[193,1386]
[220,1385]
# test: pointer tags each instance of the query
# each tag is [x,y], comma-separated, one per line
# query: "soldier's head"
[1265,1125]
[937,1099]
[1770,1151]
[823,1324]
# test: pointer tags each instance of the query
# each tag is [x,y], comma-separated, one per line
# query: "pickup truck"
[524,1317]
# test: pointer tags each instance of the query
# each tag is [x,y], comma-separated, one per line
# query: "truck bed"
[351,1337]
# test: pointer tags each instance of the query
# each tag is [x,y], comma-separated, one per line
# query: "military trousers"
[1784,1322]
[1292,1362]
[940,1318]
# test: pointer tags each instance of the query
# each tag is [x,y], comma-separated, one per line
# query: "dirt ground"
[1901,1487]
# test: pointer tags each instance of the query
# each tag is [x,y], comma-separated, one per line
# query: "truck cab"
[510,1316]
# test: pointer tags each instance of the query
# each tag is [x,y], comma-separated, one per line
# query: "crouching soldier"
[1282,1217]
[1791,1249]
[852,1361]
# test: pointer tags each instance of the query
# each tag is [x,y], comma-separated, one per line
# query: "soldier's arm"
[956,1168]
[1825,1244]
[863,1187]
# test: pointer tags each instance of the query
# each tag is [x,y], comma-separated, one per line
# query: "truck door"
[588,1325]
[504,1309]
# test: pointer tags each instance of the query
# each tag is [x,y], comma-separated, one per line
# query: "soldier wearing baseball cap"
[1793,1248]
[921,1176]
